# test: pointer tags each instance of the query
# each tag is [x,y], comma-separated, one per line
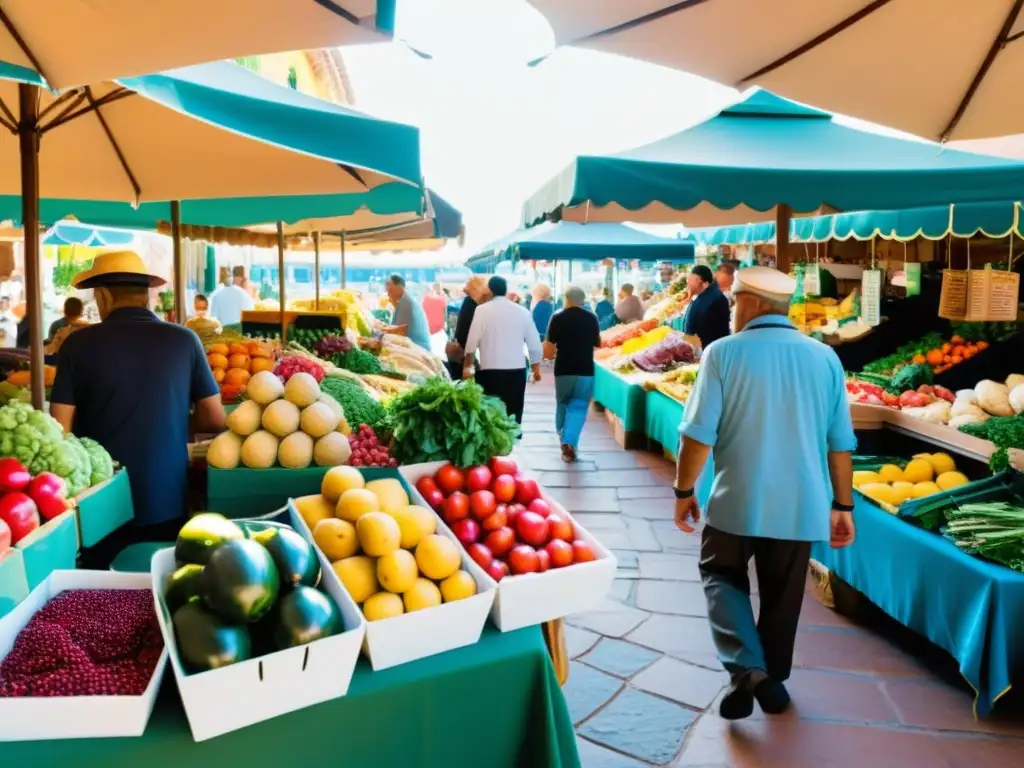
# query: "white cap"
[765,282]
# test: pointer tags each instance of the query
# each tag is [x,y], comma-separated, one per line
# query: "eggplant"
[184,586]
[240,581]
[205,641]
[201,535]
[294,557]
[304,615]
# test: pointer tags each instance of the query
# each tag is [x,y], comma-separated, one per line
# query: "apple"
[49,493]
[467,531]
[560,527]
[478,479]
[13,475]
[503,465]
[504,488]
[526,490]
[482,504]
[523,559]
[532,528]
[497,570]
[435,498]
[498,520]
[455,508]
[560,553]
[481,555]
[426,486]
[501,541]
[539,506]
[449,479]
[582,552]
[543,560]
[21,515]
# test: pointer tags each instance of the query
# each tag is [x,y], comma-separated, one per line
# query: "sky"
[494,129]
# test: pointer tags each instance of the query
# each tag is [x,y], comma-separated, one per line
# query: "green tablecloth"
[971,608]
[494,704]
[622,397]
[662,416]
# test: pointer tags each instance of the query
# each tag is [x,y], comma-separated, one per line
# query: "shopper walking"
[770,403]
[604,308]
[500,330]
[542,308]
[572,336]
[707,316]
[629,308]
[408,319]
[476,293]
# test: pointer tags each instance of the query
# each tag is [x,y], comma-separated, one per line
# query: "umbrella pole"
[280,282]
[316,270]
[343,283]
[179,267]
[783,215]
[28,140]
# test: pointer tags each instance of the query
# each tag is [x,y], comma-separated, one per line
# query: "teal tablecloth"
[622,397]
[971,608]
[662,416]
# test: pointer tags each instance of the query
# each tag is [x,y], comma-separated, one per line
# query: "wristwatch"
[841,507]
[681,494]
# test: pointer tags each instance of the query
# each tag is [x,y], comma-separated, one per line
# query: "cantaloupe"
[245,419]
[225,451]
[335,406]
[259,451]
[301,389]
[317,420]
[281,418]
[296,451]
[332,450]
[264,388]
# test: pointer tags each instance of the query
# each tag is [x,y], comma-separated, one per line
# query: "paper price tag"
[871,297]
[953,299]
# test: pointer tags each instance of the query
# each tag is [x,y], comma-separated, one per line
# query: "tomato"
[582,552]
[500,541]
[426,486]
[560,527]
[455,508]
[532,528]
[482,504]
[523,559]
[503,465]
[561,553]
[526,490]
[504,488]
[478,479]
[450,479]
[498,520]
[481,555]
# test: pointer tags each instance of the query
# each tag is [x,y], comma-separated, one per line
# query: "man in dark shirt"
[573,333]
[476,294]
[708,314]
[130,383]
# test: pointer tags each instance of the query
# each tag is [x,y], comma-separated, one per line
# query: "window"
[293,78]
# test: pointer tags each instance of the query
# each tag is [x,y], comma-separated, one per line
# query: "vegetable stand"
[423,713]
[622,397]
[662,418]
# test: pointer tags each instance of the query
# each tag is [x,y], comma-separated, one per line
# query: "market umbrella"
[942,70]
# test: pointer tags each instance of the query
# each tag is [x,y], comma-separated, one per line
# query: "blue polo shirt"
[772,403]
[409,313]
[132,380]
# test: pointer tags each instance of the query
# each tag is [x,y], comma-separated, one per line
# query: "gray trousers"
[743,644]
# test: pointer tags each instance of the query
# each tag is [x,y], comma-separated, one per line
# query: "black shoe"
[772,696]
[568,453]
[737,704]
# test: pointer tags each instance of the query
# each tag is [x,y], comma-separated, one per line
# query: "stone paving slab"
[619,658]
[648,492]
[682,598]
[588,689]
[595,756]
[642,725]
[669,566]
[612,478]
[611,619]
[687,684]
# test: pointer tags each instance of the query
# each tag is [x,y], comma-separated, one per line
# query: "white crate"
[416,635]
[219,701]
[74,717]
[534,598]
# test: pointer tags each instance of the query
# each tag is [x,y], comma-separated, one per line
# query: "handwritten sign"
[953,299]
[871,297]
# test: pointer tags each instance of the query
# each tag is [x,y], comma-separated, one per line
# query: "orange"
[217,360]
[258,350]
[238,361]
[217,349]
[218,374]
[236,376]
[261,364]
[239,349]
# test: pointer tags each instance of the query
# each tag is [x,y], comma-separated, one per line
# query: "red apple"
[498,520]
[503,465]
[523,559]
[560,527]
[497,570]
[501,541]
[543,560]
[478,479]
[49,493]
[455,508]
[467,531]
[504,488]
[481,555]
[532,528]
[526,490]
[5,538]
[20,514]
[582,552]
[435,498]
[449,479]
[482,504]
[13,475]
[539,506]
[560,552]
[426,486]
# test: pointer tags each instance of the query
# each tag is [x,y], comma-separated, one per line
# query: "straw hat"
[117,268]
[768,283]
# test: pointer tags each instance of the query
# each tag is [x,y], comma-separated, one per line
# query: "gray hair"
[575,296]
[627,288]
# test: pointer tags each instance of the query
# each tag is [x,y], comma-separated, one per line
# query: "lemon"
[437,557]
[424,594]
[336,539]
[379,533]
[396,571]
[924,489]
[862,476]
[947,481]
[390,494]
[941,463]
[415,523]
[889,473]
[313,509]
[356,502]
[458,586]
[926,456]
[337,480]
[903,490]
[881,492]
[383,605]
[918,471]
[358,576]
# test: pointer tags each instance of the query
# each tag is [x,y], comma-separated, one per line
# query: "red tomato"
[450,479]
[526,490]
[435,498]
[478,479]
[539,506]
[514,511]
[561,527]
[503,465]
[497,570]
[543,560]
[482,504]
[501,541]
[498,520]
[523,559]
[504,488]
[455,508]
[560,553]
[467,531]
[532,528]
[426,486]
[481,555]
[582,552]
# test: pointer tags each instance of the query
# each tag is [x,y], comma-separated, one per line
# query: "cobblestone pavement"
[644,681]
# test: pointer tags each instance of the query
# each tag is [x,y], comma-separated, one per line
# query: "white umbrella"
[941,69]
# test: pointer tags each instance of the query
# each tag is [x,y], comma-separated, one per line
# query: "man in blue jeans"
[573,334]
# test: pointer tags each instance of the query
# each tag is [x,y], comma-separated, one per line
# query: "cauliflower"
[102,466]
[37,440]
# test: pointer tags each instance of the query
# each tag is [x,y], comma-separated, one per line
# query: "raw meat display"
[669,353]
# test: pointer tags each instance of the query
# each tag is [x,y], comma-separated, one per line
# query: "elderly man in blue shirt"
[408,319]
[771,404]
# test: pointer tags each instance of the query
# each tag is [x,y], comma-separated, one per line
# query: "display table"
[496,703]
[971,608]
[624,398]
[662,416]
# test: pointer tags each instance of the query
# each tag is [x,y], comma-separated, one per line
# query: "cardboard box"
[223,700]
[74,717]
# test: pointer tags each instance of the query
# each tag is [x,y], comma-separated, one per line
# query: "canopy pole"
[783,215]
[316,271]
[343,282]
[28,141]
[179,266]
[280,282]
